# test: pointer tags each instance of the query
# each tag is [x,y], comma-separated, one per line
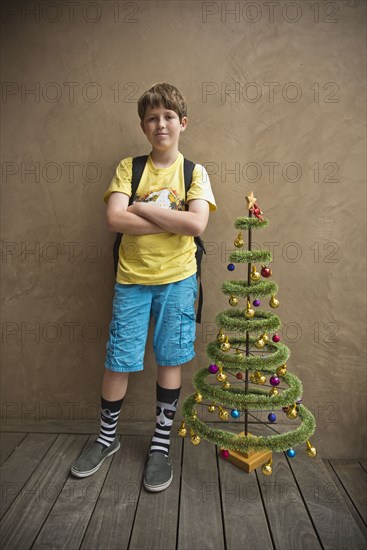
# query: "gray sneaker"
[92,458]
[158,472]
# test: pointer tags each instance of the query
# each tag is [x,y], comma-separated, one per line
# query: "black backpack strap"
[137,172]
[138,169]
[200,303]
[188,171]
[200,249]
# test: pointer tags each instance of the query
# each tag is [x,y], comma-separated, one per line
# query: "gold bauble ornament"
[195,439]
[226,385]
[211,408]
[182,431]
[267,468]
[198,397]
[260,343]
[255,275]
[273,391]
[226,346]
[239,242]
[239,354]
[257,378]
[265,337]
[311,451]
[249,312]
[221,337]
[221,376]
[233,301]
[223,414]
[292,412]
[282,370]
[274,302]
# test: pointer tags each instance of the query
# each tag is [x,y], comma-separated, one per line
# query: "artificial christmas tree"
[236,388]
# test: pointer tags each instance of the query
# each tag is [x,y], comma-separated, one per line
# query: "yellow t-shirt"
[159,258]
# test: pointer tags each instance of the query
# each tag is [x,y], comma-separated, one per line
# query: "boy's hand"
[122,218]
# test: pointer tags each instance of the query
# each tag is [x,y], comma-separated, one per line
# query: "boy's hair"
[162,94]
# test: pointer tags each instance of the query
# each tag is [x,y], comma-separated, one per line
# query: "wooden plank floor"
[306,504]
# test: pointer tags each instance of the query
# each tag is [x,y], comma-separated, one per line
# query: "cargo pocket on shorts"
[188,328]
[112,344]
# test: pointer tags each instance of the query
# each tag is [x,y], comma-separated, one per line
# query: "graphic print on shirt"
[164,198]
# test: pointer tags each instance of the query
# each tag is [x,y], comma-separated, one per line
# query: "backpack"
[137,172]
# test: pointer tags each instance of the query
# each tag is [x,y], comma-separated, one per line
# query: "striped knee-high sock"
[109,418]
[167,401]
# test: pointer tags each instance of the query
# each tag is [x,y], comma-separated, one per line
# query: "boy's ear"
[184,122]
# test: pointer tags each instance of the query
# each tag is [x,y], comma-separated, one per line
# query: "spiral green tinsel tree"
[246,359]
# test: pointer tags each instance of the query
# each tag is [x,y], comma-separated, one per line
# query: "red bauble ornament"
[266,271]
[224,453]
[239,375]
[276,338]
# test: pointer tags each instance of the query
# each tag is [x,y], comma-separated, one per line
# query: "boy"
[156,277]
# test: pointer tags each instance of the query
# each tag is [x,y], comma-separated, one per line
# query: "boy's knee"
[115,374]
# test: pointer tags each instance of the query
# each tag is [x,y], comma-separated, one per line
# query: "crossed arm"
[146,218]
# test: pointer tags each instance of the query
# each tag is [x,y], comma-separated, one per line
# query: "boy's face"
[163,128]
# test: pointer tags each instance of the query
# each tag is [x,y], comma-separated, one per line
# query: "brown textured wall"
[71,79]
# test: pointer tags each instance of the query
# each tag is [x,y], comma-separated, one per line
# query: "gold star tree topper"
[251,200]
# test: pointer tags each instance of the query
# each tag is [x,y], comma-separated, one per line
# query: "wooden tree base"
[249,461]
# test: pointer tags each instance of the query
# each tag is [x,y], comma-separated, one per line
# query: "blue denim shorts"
[172,308]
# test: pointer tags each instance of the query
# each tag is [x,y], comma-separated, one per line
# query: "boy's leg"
[158,472]
[169,377]
[114,388]
[174,336]
[167,392]
[125,353]
[114,385]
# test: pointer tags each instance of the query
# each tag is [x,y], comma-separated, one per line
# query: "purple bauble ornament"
[274,381]
[256,303]
[272,417]
[231,267]
[299,401]
[213,369]
[276,338]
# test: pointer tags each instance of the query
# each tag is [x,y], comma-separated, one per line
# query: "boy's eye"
[153,118]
